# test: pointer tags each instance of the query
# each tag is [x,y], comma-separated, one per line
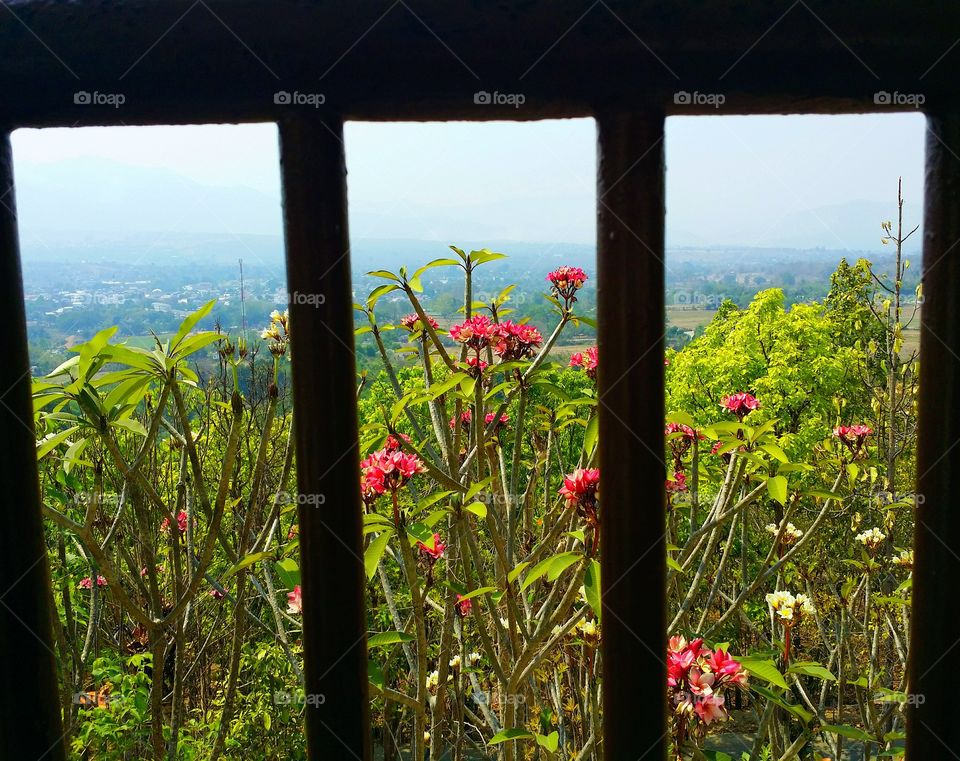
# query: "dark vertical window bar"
[932,712]
[630,251]
[29,710]
[325,419]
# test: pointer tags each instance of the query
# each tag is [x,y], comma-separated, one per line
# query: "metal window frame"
[418,70]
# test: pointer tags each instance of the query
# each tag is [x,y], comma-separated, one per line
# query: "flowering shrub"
[787,536]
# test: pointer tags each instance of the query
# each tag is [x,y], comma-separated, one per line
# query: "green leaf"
[249,560]
[477,508]
[591,434]
[476,489]
[375,674]
[385,639]
[288,571]
[591,586]
[196,342]
[847,731]
[777,488]
[811,668]
[512,576]
[476,593]
[376,293]
[129,424]
[384,274]
[373,553]
[801,713]
[436,263]
[550,742]
[682,418]
[483,256]
[763,668]
[505,735]
[418,532]
[52,441]
[190,323]
[776,452]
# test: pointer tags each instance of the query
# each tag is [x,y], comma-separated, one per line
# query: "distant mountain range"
[102,208]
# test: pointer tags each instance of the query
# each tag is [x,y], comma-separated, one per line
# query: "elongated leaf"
[385,639]
[249,560]
[376,293]
[506,735]
[591,586]
[763,668]
[477,508]
[48,443]
[777,488]
[847,731]
[190,323]
[810,668]
[476,593]
[373,553]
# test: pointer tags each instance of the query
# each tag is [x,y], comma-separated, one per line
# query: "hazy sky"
[743,180]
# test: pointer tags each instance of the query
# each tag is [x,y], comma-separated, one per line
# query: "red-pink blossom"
[489,417]
[678,483]
[87,582]
[588,363]
[566,281]
[853,436]
[181,522]
[387,469]
[435,552]
[413,322]
[516,341]
[393,443]
[580,486]
[710,708]
[740,404]
[216,594]
[475,365]
[476,333]
[464,607]
[466,417]
[295,600]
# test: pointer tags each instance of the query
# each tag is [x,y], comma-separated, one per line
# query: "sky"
[731,180]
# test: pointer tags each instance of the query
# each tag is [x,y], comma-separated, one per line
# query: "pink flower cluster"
[295,600]
[581,490]
[181,522]
[588,361]
[853,436]
[476,333]
[387,470]
[432,554]
[392,443]
[581,486]
[566,281]
[740,404]
[516,341]
[87,582]
[413,322]
[697,677]
[678,483]
[475,366]
[466,417]
[464,607]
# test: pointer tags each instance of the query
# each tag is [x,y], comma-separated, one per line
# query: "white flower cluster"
[904,559]
[871,538]
[788,607]
[790,534]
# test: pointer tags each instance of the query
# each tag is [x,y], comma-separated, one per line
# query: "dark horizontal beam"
[224,60]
